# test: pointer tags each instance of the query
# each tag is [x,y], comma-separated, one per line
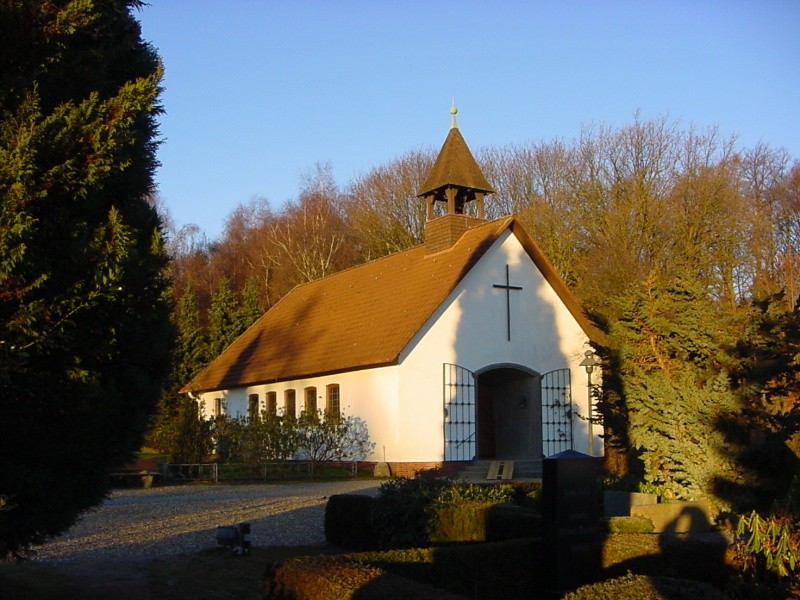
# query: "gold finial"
[453,111]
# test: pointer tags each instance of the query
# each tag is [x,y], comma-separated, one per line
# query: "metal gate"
[459,413]
[557,411]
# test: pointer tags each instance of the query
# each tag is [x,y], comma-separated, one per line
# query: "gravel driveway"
[138,525]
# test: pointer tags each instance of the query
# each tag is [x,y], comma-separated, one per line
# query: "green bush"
[509,521]
[507,570]
[630,525]
[347,522]
[527,494]
[339,578]
[461,522]
[503,570]
[642,587]
[415,512]
[401,516]
[483,522]
[773,544]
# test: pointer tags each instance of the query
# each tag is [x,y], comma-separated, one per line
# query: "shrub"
[509,521]
[340,578]
[189,436]
[492,570]
[642,587]
[460,522]
[401,515]
[630,525]
[323,437]
[502,570]
[347,521]
[527,494]
[254,441]
[772,545]
[414,512]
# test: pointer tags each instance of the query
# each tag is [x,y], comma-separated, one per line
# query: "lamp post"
[590,362]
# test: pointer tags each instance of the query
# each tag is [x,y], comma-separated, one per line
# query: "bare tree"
[311,234]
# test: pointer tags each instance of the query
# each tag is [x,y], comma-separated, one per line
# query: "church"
[467,349]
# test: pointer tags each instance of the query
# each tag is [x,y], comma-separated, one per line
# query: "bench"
[130,478]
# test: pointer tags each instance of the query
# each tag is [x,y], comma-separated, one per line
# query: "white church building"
[469,347]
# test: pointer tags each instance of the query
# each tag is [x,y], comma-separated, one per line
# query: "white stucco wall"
[370,394]
[470,330]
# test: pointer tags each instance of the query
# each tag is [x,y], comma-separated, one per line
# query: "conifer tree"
[192,347]
[85,335]
[674,387]
[191,355]
[223,326]
[250,309]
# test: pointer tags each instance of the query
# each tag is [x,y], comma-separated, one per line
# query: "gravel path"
[139,525]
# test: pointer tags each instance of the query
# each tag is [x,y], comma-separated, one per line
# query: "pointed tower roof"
[455,166]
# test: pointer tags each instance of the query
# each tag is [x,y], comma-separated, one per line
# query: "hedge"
[349,523]
[502,570]
[337,578]
[642,587]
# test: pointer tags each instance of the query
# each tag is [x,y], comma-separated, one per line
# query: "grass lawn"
[215,573]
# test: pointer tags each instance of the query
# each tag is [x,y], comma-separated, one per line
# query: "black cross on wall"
[508,287]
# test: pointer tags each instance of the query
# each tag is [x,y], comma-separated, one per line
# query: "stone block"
[382,470]
[618,504]
[677,517]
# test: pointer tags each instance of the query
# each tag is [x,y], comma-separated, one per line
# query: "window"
[252,406]
[289,404]
[272,403]
[218,407]
[332,409]
[310,406]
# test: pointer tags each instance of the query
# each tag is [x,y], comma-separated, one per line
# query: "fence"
[282,470]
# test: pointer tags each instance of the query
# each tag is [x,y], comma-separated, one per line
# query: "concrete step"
[480,470]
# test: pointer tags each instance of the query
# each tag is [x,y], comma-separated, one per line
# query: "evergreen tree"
[673,387]
[764,432]
[190,357]
[223,319]
[85,335]
[192,348]
[250,310]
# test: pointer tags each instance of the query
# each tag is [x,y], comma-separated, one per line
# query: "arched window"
[310,406]
[272,403]
[289,404]
[252,406]
[332,408]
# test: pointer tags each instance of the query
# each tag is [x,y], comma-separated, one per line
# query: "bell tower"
[454,181]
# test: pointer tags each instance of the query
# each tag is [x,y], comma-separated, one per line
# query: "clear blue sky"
[258,92]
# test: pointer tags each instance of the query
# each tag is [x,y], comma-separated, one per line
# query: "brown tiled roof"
[359,318]
[455,166]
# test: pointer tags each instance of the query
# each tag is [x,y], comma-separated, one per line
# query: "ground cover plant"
[417,511]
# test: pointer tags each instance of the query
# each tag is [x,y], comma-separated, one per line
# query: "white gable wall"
[470,330]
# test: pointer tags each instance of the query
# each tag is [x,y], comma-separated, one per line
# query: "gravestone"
[570,519]
[620,504]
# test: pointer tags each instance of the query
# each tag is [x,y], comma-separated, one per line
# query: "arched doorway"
[508,413]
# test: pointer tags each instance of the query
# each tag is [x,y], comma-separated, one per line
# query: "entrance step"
[485,470]
[500,469]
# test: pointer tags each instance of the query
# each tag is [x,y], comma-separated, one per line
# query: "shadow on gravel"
[195,568]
